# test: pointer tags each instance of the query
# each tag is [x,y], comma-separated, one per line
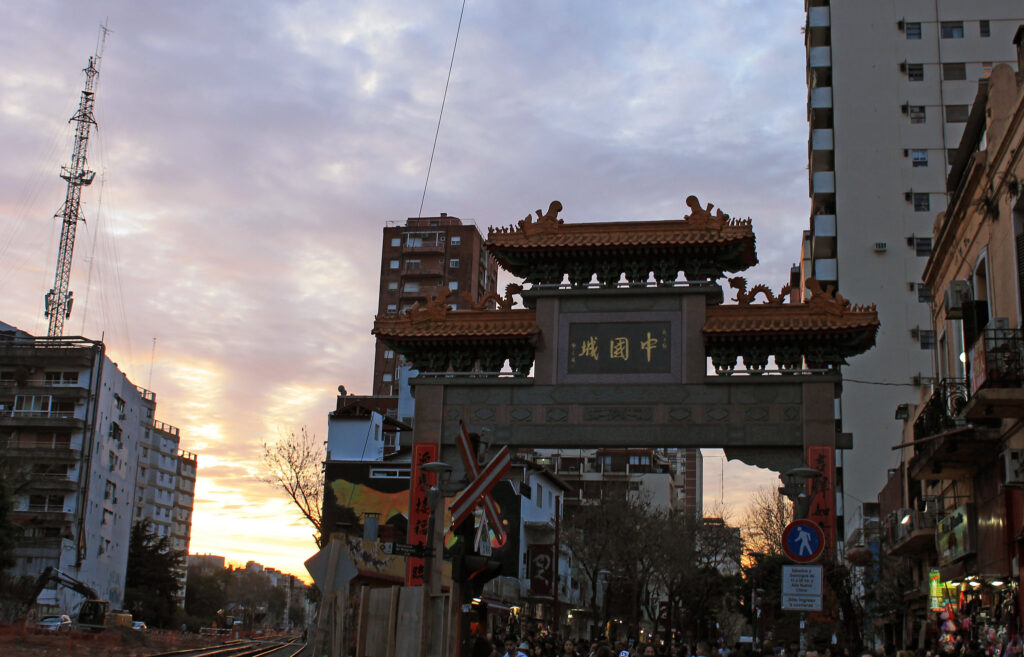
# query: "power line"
[433,148]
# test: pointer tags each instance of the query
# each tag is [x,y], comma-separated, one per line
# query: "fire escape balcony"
[997,375]
[946,446]
[910,531]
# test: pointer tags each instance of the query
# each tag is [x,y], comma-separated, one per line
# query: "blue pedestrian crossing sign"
[803,541]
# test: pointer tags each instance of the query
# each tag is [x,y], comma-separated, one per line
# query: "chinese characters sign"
[619,348]
[821,490]
[419,508]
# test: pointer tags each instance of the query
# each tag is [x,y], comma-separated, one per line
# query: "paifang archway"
[626,363]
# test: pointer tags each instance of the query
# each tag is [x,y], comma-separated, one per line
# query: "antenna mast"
[59,298]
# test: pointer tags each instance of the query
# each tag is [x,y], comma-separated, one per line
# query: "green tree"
[152,577]
[206,593]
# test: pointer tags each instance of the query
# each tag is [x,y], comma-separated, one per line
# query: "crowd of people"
[547,647]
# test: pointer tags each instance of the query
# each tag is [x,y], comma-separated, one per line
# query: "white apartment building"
[890,83]
[74,430]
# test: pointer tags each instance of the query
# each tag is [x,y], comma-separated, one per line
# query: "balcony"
[51,481]
[166,428]
[945,445]
[21,418]
[823,238]
[823,182]
[821,98]
[910,531]
[818,20]
[826,270]
[819,57]
[997,375]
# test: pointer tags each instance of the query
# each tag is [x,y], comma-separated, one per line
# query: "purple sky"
[249,154]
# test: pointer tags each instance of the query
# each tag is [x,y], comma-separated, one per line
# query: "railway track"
[286,646]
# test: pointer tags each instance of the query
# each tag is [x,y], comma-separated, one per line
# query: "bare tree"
[766,518]
[294,464]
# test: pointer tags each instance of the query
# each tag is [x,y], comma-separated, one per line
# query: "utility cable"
[444,97]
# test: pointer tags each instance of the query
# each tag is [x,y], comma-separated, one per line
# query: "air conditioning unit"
[881,246]
[901,25]
[905,108]
[958,293]
[915,332]
[906,151]
[1013,467]
[903,67]
[908,195]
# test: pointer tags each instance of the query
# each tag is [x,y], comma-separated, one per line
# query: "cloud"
[249,156]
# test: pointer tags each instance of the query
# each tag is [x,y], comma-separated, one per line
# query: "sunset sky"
[249,154]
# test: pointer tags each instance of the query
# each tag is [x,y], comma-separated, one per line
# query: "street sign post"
[801,588]
[803,541]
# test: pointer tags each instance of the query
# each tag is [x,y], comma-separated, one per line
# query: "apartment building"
[890,84]
[418,259]
[77,435]
[954,509]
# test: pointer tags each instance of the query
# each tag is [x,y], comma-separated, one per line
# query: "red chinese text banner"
[419,507]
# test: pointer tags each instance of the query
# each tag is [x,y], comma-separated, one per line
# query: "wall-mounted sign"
[954,535]
[619,348]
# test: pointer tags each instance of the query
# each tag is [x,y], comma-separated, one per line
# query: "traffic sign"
[801,588]
[803,541]
[463,504]
[473,468]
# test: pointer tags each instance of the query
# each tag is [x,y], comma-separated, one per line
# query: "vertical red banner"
[419,508]
[822,491]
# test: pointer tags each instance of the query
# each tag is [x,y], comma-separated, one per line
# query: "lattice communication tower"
[59,298]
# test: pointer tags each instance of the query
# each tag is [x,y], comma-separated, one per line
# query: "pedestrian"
[703,649]
[569,649]
[648,651]
[510,648]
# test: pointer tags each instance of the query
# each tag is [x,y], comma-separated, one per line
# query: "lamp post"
[431,584]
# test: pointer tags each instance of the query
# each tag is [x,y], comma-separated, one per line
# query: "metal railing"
[942,410]
[1003,357]
[166,428]
[12,412]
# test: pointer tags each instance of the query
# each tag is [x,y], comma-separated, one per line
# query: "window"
[951,29]
[540,495]
[46,503]
[396,241]
[393,264]
[389,354]
[919,156]
[411,286]
[392,285]
[456,240]
[924,293]
[956,113]
[454,263]
[915,72]
[453,285]
[927,338]
[413,265]
[392,308]
[61,378]
[923,246]
[110,490]
[32,404]
[984,29]
[912,30]
[916,113]
[413,241]
[386,378]
[954,71]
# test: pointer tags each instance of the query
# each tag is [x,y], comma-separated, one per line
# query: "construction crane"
[59,298]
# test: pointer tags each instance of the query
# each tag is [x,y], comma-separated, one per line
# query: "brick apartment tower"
[418,259]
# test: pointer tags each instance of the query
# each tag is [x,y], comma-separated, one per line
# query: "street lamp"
[431,585]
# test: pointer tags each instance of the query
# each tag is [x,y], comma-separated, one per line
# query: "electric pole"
[59,298]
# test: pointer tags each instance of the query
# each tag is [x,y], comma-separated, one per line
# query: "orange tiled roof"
[826,311]
[700,227]
[515,323]
[435,320]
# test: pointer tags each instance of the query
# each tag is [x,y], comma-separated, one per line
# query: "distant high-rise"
[890,83]
[420,258]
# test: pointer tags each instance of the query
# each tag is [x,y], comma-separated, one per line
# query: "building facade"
[418,259]
[954,512]
[889,87]
[74,431]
